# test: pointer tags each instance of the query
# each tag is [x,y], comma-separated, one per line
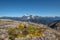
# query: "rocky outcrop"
[55,25]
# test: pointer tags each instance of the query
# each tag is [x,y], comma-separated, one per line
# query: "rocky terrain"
[17,30]
[55,25]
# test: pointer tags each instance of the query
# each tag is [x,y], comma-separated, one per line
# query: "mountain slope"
[17,30]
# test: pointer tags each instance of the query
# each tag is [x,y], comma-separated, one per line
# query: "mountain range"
[35,19]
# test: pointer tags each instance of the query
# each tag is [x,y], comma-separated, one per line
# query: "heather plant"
[21,31]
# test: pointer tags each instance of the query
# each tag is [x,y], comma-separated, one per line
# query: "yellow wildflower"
[20,24]
[31,35]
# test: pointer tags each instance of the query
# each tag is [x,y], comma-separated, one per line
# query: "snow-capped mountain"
[32,18]
[27,16]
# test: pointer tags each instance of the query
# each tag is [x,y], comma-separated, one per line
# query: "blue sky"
[17,8]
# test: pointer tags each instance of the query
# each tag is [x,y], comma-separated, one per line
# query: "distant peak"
[26,15]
